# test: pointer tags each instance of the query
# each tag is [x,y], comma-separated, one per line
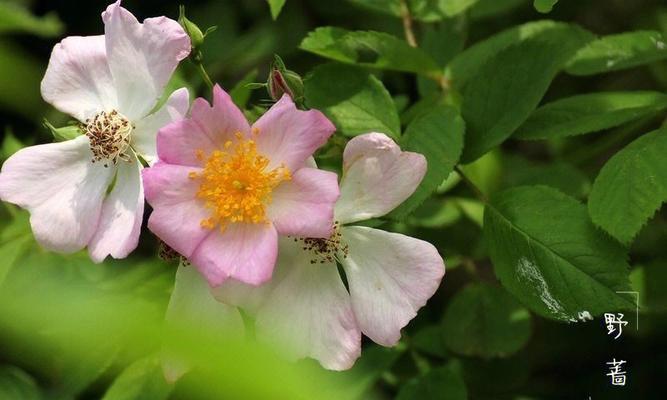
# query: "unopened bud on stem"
[196,35]
[281,81]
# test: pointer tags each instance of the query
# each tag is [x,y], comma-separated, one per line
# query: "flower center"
[325,250]
[109,135]
[235,183]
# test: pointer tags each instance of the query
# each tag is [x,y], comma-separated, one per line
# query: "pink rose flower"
[87,191]
[223,190]
[306,309]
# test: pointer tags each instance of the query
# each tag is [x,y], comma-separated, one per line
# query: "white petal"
[78,80]
[61,188]
[142,57]
[390,277]
[144,136]
[122,213]
[242,295]
[377,177]
[192,307]
[308,314]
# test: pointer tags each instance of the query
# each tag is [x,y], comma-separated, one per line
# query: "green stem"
[407,24]
[470,267]
[421,362]
[478,192]
[204,75]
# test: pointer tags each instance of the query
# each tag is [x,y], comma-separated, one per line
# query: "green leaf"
[486,172]
[442,42]
[422,10]
[496,375]
[557,174]
[437,10]
[141,380]
[16,19]
[467,64]
[16,384]
[510,84]
[423,106]
[493,8]
[589,113]
[369,49]
[15,239]
[449,183]
[484,320]
[10,144]
[67,132]
[429,340]
[548,254]
[276,7]
[631,187]
[439,383]
[544,6]
[20,80]
[387,7]
[354,100]
[438,135]
[471,208]
[648,281]
[360,379]
[616,52]
[435,213]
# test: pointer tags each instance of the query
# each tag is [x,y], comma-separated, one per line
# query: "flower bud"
[196,35]
[281,81]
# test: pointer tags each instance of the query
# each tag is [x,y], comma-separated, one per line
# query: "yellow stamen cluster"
[235,183]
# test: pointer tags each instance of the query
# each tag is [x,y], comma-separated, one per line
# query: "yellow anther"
[236,184]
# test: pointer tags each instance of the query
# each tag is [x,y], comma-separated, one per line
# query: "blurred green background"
[71,329]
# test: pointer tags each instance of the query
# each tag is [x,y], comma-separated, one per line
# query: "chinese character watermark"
[614,319]
[616,372]
[584,316]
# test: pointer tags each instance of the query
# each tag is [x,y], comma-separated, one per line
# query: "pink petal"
[245,252]
[377,177]
[390,277]
[303,206]
[61,188]
[144,136]
[78,80]
[122,213]
[289,136]
[177,213]
[142,57]
[222,120]
[179,142]
[309,314]
[208,128]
